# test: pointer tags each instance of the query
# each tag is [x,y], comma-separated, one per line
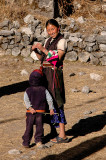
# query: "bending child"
[36,98]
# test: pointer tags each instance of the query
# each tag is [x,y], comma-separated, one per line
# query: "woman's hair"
[52,22]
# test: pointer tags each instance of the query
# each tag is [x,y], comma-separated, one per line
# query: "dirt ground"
[85,113]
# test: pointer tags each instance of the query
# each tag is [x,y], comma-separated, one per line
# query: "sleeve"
[49,100]
[27,101]
[62,44]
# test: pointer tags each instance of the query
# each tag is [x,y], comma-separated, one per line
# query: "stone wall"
[17,40]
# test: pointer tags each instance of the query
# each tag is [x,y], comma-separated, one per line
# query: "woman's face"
[52,30]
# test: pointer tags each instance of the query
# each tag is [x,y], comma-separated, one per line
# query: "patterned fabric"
[53,57]
[56,119]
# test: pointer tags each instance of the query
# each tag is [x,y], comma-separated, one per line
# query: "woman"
[52,55]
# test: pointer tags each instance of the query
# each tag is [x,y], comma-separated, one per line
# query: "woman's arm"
[41,48]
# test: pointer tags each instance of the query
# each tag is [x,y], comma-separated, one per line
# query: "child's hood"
[36,78]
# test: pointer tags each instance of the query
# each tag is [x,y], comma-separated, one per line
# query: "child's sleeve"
[49,100]
[27,101]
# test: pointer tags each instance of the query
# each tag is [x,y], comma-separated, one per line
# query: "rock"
[90,39]
[102,47]
[94,60]
[29,18]
[87,112]
[4,46]
[24,72]
[26,52]
[26,30]
[85,89]
[72,74]
[5,23]
[98,54]
[74,90]
[81,73]
[101,39]
[6,33]
[103,60]
[84,56]
[14,151]
[16,24]
[16,51]
[72,56]
[96,77]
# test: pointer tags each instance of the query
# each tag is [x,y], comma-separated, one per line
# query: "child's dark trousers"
[33,119]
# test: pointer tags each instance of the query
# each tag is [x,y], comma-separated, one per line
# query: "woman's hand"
[51,112]
[40,47]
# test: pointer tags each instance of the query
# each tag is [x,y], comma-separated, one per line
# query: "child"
[36,98]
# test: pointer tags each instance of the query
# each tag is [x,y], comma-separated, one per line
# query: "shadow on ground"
[82,150]
[88,125]
[85,149]
[13,88]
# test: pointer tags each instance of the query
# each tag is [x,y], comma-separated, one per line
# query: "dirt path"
[85,113]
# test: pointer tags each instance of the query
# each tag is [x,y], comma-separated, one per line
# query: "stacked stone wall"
[17,40]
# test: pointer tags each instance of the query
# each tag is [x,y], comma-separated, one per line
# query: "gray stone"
[6,33]
[66,35]
[84,56]
[16,51]
[103,33]
[96,77]
[98,54]
[26,52]
[16,24]
[18,39]
[5,40]
[88,49]
[101,39]
[95,47]
[69,47]
[72,56]
[73,39]
[8,52]
[24,72]
[81,73]
[74,90]
[29,19]
[14,151]
[10,46]
[26,30]
[4,46]
[103,60]
[85,89]
[90,39]
[102,47]
[81,45]
[5,23]
[25,37]
[94,60]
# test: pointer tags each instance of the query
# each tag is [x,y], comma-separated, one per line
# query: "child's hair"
[52,22]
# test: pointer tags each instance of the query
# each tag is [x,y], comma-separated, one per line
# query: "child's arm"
[50,102]
[28,103]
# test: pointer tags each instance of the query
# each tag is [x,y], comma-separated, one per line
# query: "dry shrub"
[13,11]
